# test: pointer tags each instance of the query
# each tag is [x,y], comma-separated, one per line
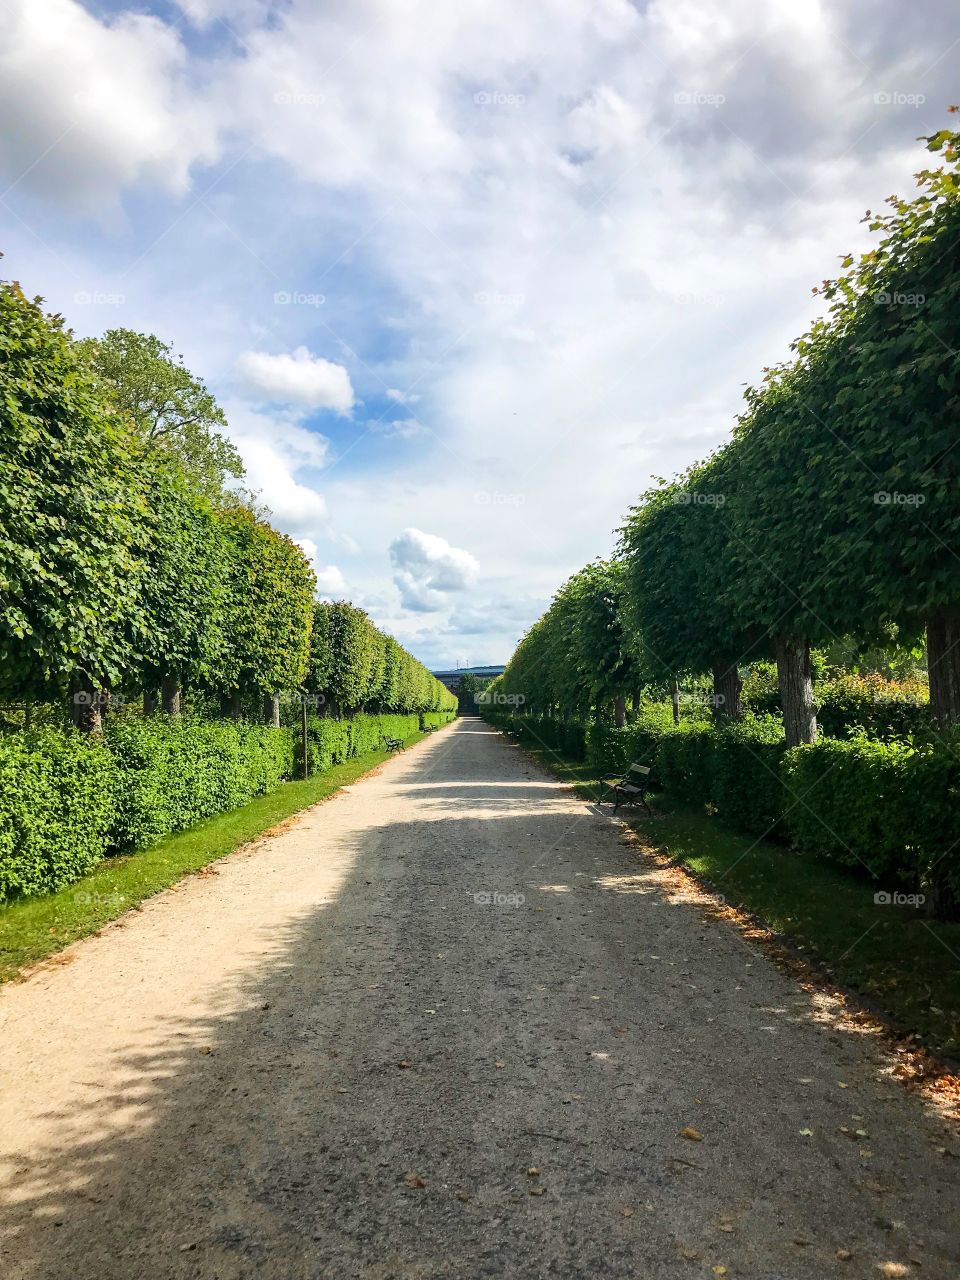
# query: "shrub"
[890,807]
[171,773]
[436,719]
[745,785]
[55,809]
[333,741]
[848,702]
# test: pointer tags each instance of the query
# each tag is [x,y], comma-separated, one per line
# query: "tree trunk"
[87,704]
[675,699]
[230,704]
[943,665]
[271,710]
[727,690]
[171,695]
[149,702]
[635,703]
[619,712]
[796,691]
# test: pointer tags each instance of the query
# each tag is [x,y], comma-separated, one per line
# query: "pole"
[306,748]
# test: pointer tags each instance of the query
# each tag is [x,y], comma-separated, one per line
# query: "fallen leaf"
[413,1180]
[806,1133]
[719,1270]
[463,1195]
[404,1064]
[536,1191]
[844,1255]
[694,1135]
[533,1172]
[499,1065]
[627,1213]
[206,1048]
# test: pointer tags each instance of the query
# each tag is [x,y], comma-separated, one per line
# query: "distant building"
[452,678]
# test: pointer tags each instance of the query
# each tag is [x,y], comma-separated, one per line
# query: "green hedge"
[56,810]
[436,719]
[568,737]
[332,741]
[891,807]
[170,774]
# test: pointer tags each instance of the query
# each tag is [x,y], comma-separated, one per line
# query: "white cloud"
[427,568]
[331,583]
[274,448]
[402,397]
[92,107]
[297,378]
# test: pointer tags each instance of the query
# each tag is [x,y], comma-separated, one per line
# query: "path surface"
[329,1059]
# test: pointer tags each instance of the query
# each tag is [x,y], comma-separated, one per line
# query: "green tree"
[71,515]
[173,412]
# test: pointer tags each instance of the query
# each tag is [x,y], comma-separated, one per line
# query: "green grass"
[33,928]
[907,965]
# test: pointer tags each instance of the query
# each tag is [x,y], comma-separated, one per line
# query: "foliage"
[334,741]
[55,809]
[354,666]
[174,414]
[680,605]
[171,772]
[268,606]
[71,511]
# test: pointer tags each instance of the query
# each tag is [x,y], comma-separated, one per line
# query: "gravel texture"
[450,1024]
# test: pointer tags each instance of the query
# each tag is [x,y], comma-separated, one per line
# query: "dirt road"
[449,1025]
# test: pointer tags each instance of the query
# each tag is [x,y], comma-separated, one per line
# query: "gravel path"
[331,1058]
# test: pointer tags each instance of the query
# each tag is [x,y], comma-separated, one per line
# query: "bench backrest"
[642,769]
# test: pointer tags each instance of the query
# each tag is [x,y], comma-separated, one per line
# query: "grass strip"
[33,928]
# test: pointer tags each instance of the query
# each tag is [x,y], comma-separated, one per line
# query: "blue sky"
[465,277]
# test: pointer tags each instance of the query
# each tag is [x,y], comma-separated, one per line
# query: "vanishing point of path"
[329,1058]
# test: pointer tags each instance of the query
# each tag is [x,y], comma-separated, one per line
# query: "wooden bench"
[632,788]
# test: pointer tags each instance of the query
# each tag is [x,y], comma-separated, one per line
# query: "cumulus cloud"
[297,378]
[92,107]
[274,449]
[427,569]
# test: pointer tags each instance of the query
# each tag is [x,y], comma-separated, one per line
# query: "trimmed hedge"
[170,774]
[332,741]
[436,719]
[891,807]
[56,810]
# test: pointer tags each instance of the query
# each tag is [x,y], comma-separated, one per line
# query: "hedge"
[56,809]
[332,741]
[891,807]
[170,773]
[67,799]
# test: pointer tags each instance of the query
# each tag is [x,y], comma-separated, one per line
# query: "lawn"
[34,928]
[907,965]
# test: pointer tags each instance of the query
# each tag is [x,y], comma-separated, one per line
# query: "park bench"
[632,788]
[393,744]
